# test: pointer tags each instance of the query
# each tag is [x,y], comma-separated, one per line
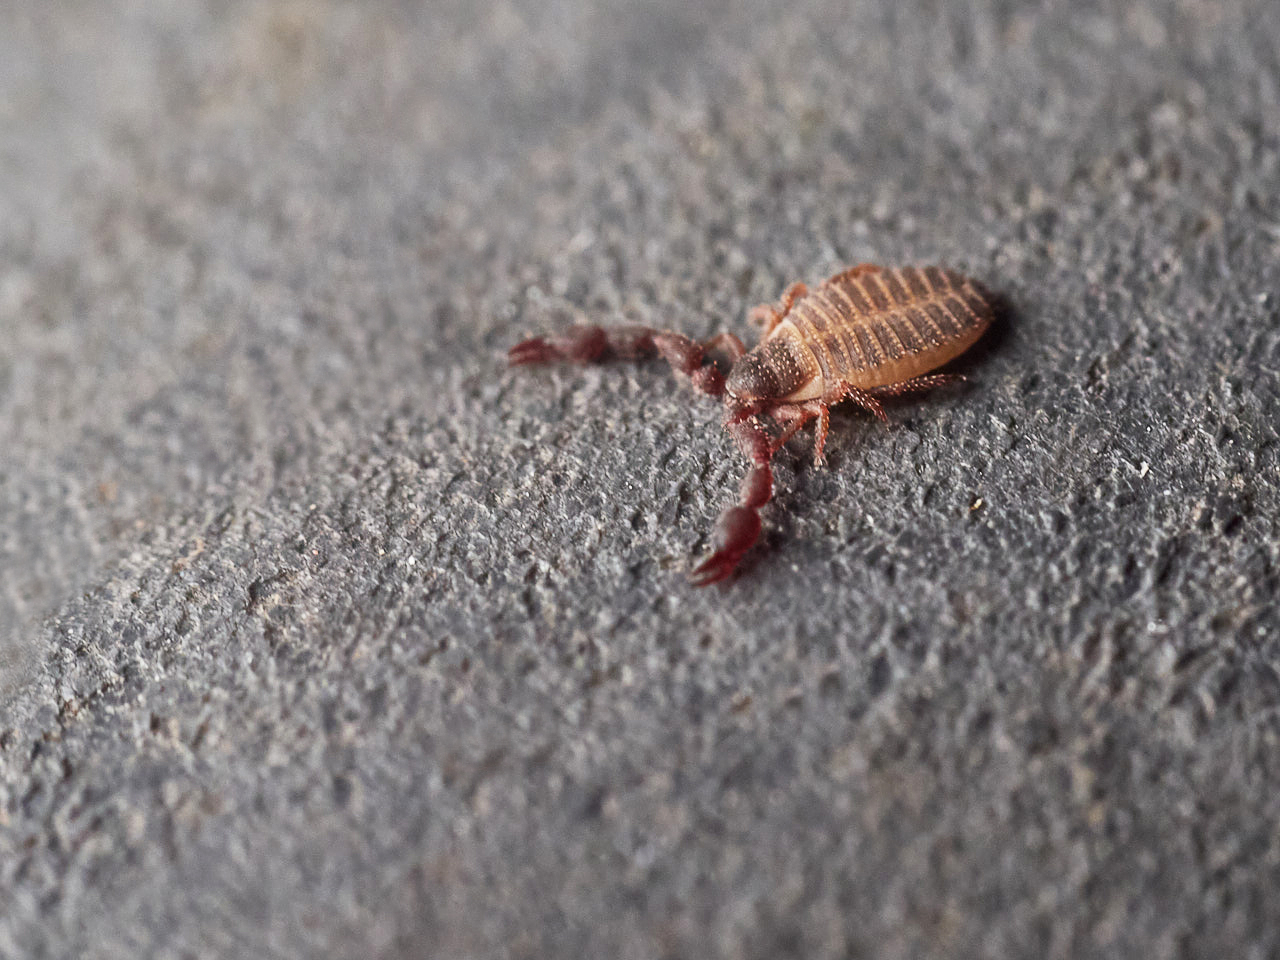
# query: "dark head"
[752,379]
[769,372]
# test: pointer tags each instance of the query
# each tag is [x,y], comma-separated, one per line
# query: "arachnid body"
[863,335]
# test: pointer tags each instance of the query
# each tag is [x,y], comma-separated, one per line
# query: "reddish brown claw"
[736,531]
[588,344]
[534,350]
[582,344]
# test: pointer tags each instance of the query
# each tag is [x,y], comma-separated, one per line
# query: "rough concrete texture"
[326,635]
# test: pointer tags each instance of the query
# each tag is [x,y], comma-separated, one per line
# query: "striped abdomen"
[871,327]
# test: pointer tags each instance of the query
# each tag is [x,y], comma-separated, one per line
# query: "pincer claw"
[581,344]
[735,532]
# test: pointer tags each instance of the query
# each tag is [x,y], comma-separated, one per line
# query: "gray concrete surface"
[323,635]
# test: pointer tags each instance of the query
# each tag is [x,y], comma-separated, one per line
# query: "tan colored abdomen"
[877,328]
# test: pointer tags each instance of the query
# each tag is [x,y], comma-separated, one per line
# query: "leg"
[728,342]
[915,385]
[863,398]
[791,417]
[592,344]
[770,316]
[738,527]
[869,400]
[820,409]
[820,437]
[811,410]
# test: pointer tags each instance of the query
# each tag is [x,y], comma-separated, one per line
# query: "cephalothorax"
[863,335]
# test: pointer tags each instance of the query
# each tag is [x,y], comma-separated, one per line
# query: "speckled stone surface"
[322,634]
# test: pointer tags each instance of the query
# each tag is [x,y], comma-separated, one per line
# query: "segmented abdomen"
[871,327]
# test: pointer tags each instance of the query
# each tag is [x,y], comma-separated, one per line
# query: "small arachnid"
[863,335]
